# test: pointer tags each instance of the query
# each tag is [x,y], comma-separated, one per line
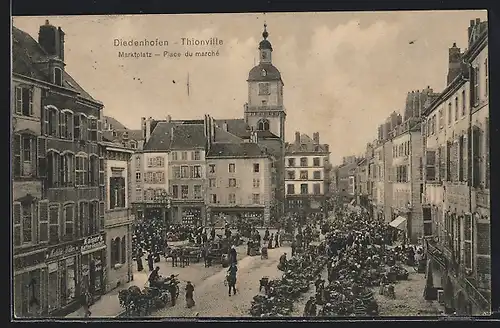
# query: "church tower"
[264,110]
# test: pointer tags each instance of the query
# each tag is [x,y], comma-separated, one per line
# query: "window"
[150,162]
[58,76]
[196,155]
[54,223]
[184,172]
[197,172]
[441,119]
[212,183]
[213,198]
[66,124]
[117,192]
[174,155]
[81,169]
[255,198]
[304,175]
[317,189]
[138,194]
[102,181]
[184,192]
[67,166]
[232,182]
[263,125]
[211,168]
[175,191]
[430,172]
[232,199]
[464,103]
[138,177]
[24,101]
[92,128]
[69,220]
[159,161]
[317,175]
[457,109]
[264,89]
[115,251]
[184,156]
[468,242]
[138,161]
[461,143]
[176,172]
[232,168]
[53,169]
[133,144]
[316,161]
[450,118]
[304,190]
[43,221]
[256,183]
[24,153]
[290,175]
[149,194]
[303,161]
[80,126]
[123,250]
[256,167]
[197,192]
[486,78]
[23,223]
[290,189]
[291,162]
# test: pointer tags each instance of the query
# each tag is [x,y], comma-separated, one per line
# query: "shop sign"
[63,250]
[94,242]
[29,260]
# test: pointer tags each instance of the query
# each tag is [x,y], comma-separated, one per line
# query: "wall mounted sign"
[64,250]
[93,243]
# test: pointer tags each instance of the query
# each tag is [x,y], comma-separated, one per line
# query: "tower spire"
[265,34]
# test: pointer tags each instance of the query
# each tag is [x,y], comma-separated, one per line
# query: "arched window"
[81,169]
[92,128]
[263,125]
[124,250]
[66,122]
[133,144]
[80,126]
[51,121]
[67,169]
[93,170]
[114,255]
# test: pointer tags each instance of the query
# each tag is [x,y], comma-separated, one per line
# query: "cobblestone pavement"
[211,296]
[409,298]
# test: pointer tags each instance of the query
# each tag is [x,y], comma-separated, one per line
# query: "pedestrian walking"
[231,278]
[189,295]
[151,263]
[276,240]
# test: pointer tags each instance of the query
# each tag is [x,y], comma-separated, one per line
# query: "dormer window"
[58,76]
[263,72]
[125,135]
[114,133]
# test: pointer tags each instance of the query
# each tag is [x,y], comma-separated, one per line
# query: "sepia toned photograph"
[252,165]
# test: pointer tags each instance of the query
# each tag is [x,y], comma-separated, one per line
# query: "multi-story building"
[378,174]
[70,211]
[456,189]
[406,178]
[346,178]
[118,218]
[306,161]
[239,183]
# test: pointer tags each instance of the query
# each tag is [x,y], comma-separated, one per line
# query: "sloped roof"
[26,51]
[236,126]
[306,145]
[223,136]
[235,150]
[185,136]
[115,123]
[131,135]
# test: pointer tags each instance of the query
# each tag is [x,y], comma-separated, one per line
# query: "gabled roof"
[236,150]
[26,52]
[223,136]
[116,125]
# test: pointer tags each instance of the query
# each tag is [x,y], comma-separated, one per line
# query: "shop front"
[93,259]
[30,271]
[62,270]
[235,216]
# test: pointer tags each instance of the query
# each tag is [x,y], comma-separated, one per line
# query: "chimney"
[171,134]
[470,29]
[224,126]
[148,129]
[169,118]
[297,138]
[143,127]
[454,63]
[51,39]
[316,137]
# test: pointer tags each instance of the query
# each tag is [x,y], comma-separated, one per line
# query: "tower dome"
[265,44]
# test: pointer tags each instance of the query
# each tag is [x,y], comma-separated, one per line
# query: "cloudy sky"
[344,73]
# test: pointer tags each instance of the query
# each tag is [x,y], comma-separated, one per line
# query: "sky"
[344,73]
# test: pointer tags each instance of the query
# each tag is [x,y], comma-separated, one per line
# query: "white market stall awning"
[399,223]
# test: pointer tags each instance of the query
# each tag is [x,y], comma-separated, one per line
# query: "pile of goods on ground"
[346,298]
[280,293]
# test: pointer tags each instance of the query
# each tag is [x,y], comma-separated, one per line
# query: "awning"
[399,223]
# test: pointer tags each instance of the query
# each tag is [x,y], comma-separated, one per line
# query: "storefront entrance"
[93,256]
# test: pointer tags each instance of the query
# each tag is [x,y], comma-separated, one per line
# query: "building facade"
[456,202]
[70,211]
[306,164]
[118,218]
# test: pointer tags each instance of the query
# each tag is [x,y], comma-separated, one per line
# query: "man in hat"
[310,308]
[189,295]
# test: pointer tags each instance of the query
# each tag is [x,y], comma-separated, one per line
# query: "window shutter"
[112,195]
[34,227]
[70,122]
[122,192]
[18,100]
[43,221]
[85,170]
[76,127]
[475,156]
[17,212]
[17,155]
[78,225]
